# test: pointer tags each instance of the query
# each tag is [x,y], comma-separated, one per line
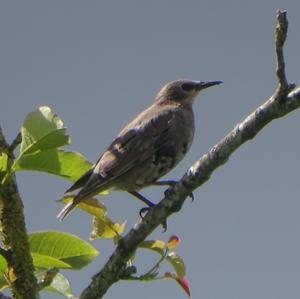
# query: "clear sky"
[99,63]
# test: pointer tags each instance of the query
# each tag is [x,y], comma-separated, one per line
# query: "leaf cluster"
[43,136]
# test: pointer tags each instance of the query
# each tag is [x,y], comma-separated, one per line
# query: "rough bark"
[15,246]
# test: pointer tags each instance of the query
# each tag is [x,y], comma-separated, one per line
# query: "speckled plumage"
[147,148]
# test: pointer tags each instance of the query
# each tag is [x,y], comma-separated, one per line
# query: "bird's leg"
[149,203]
[170,183]
[142,198]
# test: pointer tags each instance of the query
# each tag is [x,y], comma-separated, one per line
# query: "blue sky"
[99,63]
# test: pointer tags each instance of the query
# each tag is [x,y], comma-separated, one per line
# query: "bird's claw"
[145,210]
[164,225]
[171,184]
[191,195]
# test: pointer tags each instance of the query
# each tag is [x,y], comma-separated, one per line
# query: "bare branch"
[15,143]
[3,144]
[282,102]
[48,278]
[280,38]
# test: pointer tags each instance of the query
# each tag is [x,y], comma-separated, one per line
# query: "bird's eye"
[187,86]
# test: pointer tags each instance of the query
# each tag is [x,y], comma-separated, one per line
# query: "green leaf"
[59,285]
[42,135]
[3,270]
[177,263]
[157,246]
[3,162]
[173,258]
[90,205]
[65,247]
[3,265]
[70,165]
[104,227]
[42,130]
[3,283]
[45,261]
[53,140]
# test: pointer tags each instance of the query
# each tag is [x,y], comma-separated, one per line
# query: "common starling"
[147,148]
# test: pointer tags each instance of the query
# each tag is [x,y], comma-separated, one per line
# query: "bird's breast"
[171,141]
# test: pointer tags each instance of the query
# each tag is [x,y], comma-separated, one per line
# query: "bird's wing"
[134,145]
[81,181]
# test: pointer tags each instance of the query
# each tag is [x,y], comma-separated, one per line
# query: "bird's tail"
[66,210]
[93,186]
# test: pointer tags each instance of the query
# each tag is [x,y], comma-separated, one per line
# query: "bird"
[146,149]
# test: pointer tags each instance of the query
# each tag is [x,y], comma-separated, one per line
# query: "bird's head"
[182,91]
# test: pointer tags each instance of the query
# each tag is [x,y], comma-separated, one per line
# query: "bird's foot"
[191,195]
[145,210]
[171,183]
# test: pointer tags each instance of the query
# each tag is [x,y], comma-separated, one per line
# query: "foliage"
[43,136]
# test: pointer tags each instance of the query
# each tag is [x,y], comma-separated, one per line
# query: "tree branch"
[14,235]
[280,38]
[15,143]
[282,102]
[48,278]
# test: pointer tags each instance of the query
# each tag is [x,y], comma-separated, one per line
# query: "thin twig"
[15,143]
[3,144]
[48,278]
[280,38]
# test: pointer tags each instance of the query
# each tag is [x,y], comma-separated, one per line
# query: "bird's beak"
[205,84]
